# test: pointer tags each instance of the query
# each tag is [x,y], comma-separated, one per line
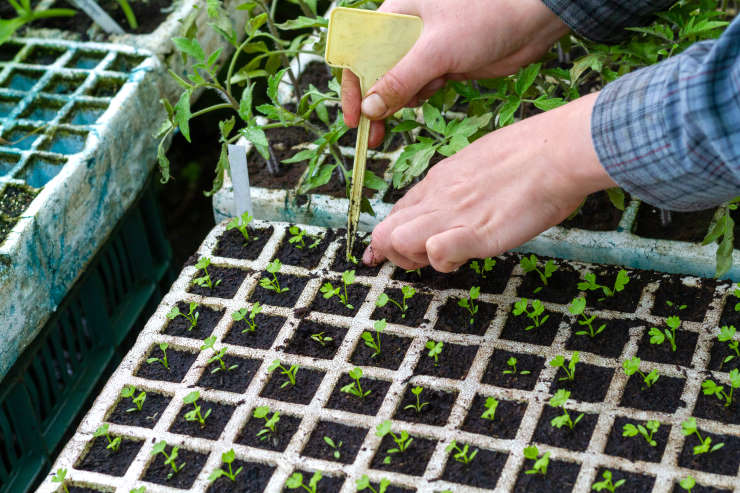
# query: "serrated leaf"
[256,136]
[546,104]
[303,22]
[191,47]
[433,118]
[526,78]
[182,114]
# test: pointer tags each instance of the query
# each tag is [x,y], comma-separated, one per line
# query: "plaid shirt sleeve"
[604,20]
[670,133]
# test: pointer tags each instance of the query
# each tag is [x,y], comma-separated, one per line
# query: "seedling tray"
[471,369]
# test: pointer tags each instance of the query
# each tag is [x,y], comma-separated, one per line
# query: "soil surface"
[101,459]
[231,280]
[254,477]
[303,343]
[576,439]
[307,381]
[233,245]
[709,407]
[515,328]
[482,472]
[632,481]
[15,199]
[505,422]
[453,362]
[694,296]
[723,461]
[454,318]
[561,476]
[351,403]
[149,16]
[413,461]
[181,326]
[288,298]
[146,418]
[392,350]
[179,363]
[596,214]
[278,441]
[636,448]
[497,365]
[664,395]
[347,440]
[609,343]
[263,336]
[341,264]
[625,300]
[355,292]
[304,256]
[684,226]
[591,383]
[214,424]
[236,380]
[663,353]
[434,413]
[327,483]
[157,471]
[561,287]
[414,316]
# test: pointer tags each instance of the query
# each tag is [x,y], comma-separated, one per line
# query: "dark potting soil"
[355,292]
[505,422]
[215,423]
[231,280]
[232,244]
[561,476]
[413,461]
[353,404]
[453,362]
[596,214]
[253,478]
[264,335]
[290,254]
[414,316]
[15,199]
[708,406]
[663,353]
[730,316]
[497,365]
[302,343]
[664,395]
[316,73]
[81,489]
[285,429]
[576,439]
[698,489]
[696,298]
[483,471]
[6,226]
[341,264]
[723,461]
[157,471]
[684,226]
[347,438]
[307,381]
[623,301]
[207,320]
[720,351]
[100,459]
[178,361]
[464,278]
[326,484]
[456,319]
[434,413]
[149,16]
[632,481]
[146,418]
[608,343]
[591,383]
[636,448]
[392,350]
[561,287]
[288,298]
[514,330]
[236,380]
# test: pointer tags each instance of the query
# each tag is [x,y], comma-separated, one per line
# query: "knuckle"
[395,91]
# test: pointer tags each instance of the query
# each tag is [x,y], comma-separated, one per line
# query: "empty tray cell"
[7,105]
[85,113]
[86,59]
[43,55]
[107,87]
[6,225]
[40,170]
[42,109]
[64,84]
[9,50]
[22,80]
[126,63]
[15,198]
[65,142]
[21,137]
[7,163]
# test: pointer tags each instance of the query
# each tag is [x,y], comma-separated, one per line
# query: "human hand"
[472,39]
[495,194]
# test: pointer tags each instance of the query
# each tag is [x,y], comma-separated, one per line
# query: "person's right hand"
[469,39]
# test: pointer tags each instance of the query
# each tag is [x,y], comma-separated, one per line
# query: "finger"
[377,133]
[382,247]
[351,98]
[450,249]
[409,237]
[428,90]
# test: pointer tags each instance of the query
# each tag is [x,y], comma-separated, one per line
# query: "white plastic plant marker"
[240,179]
[369,44]
[100,16]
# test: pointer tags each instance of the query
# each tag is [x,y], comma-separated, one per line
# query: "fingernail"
[373,106]
[367,256]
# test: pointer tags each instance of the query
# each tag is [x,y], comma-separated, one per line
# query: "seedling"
[727,334]
[355,388]
[671,304]
[687,483]
[534,316]
[647,431]
[529,264]
[403,440]
[540,465]
[364,483]
[208,343]
[140,489]
[169,459]
[334,446]
[113,443]
[321,338]
[195,415]
[607,484]
[296,238]
[482,268]
[435,349]
[658,336]
[711,388]
[461,454]
[162,347]
[590,284]
[407,292]
[416,271]
[248,319]
[228,459]
[577,307]
[273,284]
[348,277]
[205,280]
[288,372]
[491,406]
[559,400]
[191,316]
[469,302]
[569,369]
[419,405]
[632,366]
[241,224]
[128,393]
[689,428]
[61,477]
[374,342]
[296,481]
[511,363]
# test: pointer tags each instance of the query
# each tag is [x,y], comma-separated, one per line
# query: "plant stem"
[274,32]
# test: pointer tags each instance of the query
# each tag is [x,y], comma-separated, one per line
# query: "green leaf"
[594,61]
[254,23]
[616,196]
[256,136]
[182,114]
[506,113]
[373,181]
[302,22]
[546,104]
[470,125]
[272,85]
[405,126]
[433,118]
[245,104]
[190,47]
[526,78]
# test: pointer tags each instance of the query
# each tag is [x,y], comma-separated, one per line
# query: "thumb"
[452,248]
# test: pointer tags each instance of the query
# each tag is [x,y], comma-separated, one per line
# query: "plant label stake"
[369,44]
[237,155]
[98,15]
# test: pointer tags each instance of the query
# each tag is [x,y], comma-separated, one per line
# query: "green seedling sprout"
[128,393]
[727,334]
[559,400]
[170,459]
[606,483]
[435,349]
[419,405]
[191,316]
[647,431]
[321,338]
[569,369]
[334,446]
[511,363]
[589,284]
[469,302]
[241,315]
[632,366]
[26,14]
[658,336]
[295,481]
[529,264]
[205,280]
[208,343]
[537,309]
[689,428]
[355,388]
[710,388]
[348,277]
[577,307]
[140,489]
[163,347]
[364,484]
[491,405]
[407,292]
[461,454]
[296,238]
[228,459]
[540,464]
[671,304]
[195,414]
[113,443]
[402,440]
[61,477]
[687,483]
[288,372]
[416,271]
[270,426]
[273,284]
[241,223]
[374,342]
[482,268]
